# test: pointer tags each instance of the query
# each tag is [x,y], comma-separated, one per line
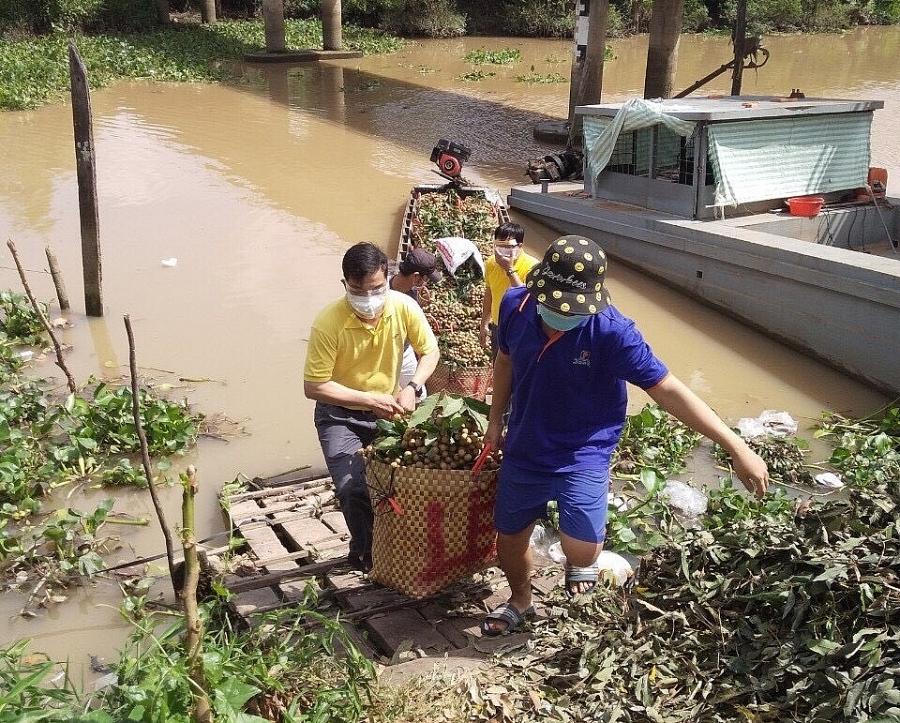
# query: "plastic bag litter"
[769,423]
[542,539]
[455,251]
[619,504]
[685,498]
[555,553]
[170,262]
[614,568]
[829,479]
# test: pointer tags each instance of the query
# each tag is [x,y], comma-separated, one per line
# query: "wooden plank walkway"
[297,537]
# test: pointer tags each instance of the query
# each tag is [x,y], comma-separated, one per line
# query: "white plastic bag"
[830,480]
[455,251]
[614,568]
[769,423]
[685,498]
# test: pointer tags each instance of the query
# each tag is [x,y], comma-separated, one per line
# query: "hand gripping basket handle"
[482,458]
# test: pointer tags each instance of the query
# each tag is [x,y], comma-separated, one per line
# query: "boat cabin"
[702,157]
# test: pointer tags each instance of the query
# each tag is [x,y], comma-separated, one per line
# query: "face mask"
[558,321]
[368,307]
[507,253]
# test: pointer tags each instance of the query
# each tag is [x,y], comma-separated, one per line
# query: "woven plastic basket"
[469,382]
[432,527]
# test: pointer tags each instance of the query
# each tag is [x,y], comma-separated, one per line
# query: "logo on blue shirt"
[583,360]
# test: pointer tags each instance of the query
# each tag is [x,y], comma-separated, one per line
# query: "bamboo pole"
[145,456]
[58,282]
[57,347]
[193,639]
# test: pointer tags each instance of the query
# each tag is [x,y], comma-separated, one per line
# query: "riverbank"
[34,70]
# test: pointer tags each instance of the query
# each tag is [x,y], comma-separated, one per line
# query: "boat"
[469,379]
[692,191]
[410,213]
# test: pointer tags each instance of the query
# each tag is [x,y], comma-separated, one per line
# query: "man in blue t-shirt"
[565,355]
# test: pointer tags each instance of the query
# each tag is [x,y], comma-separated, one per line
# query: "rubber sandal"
[508,614]
[575,575]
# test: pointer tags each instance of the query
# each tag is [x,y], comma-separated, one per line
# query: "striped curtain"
[769,159]
[601,133]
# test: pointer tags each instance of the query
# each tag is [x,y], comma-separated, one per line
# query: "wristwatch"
[417,388]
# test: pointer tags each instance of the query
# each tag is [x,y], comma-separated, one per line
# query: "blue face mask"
[559,322]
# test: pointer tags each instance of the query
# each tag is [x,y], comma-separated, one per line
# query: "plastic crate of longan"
[432,527]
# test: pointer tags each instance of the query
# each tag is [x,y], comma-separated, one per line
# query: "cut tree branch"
[60,362]
[145,458]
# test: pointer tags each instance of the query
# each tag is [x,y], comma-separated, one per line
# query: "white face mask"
[507,253]
[367,307]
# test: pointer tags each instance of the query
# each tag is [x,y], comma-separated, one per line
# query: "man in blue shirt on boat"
[564,357]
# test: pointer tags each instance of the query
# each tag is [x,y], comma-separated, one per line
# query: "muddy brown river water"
[257,187]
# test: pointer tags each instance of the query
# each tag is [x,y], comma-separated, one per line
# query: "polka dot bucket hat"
[570,279]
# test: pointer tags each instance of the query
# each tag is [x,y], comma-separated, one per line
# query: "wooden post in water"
[273,19]
[85,164]
[58,282]
[331,25]
[662,53]
[590,75]
[740,37]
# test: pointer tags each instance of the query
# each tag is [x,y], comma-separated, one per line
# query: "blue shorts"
[522,497]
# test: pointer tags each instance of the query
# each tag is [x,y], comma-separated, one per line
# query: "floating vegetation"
[19,323]
[782,455]
[476,75]
[482,56]
[867,451]
[34,70]
[541,78]
[653,439]
[47,558]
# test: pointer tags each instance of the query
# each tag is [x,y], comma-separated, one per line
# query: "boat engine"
[449,157]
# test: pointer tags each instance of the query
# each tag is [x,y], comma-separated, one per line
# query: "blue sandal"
[508,614]
[575,575]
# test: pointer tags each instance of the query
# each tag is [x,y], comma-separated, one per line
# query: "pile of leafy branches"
[868,450]
[453,306]
[653,439]
[763,617]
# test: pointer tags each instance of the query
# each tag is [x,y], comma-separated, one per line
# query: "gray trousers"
[342,433]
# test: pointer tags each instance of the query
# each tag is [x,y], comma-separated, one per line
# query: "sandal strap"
[590,573]
[509,614]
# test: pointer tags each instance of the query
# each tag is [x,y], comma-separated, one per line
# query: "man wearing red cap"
[564,357]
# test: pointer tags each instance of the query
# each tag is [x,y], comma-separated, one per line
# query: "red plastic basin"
[807,206]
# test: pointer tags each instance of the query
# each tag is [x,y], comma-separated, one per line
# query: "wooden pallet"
[297,538]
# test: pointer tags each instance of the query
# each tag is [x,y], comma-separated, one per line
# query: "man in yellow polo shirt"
[352,371]
[506,268]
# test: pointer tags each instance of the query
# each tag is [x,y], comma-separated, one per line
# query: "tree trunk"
[637,7]
[662,54]
[273,18]
[331,25]
[590,78]
[162,11]
[208,12]
[740,36]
